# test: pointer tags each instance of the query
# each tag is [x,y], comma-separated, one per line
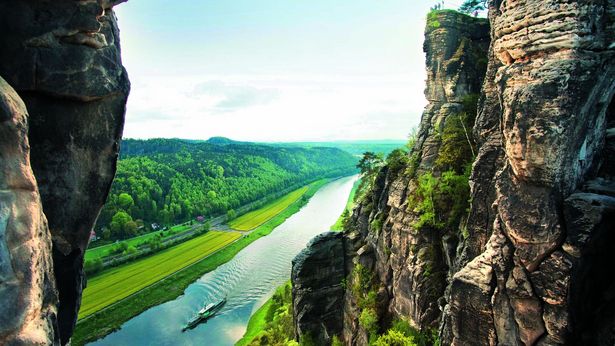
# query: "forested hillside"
[171,180]
[356,148]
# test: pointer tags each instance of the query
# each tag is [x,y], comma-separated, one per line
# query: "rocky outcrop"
[411,264]
[528,264]
[27,288]
[318,273]
[543,128]
[63,59]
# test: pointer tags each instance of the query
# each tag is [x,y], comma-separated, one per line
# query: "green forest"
[166,181]
[356,148]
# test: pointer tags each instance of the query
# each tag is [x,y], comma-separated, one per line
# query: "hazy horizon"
[306,71]
[378,140]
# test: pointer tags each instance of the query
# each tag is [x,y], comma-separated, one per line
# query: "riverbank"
[278,308]
[169,288]
[339,224]
[263,318]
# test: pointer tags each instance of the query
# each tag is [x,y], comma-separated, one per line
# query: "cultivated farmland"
[118,283]
[257,217]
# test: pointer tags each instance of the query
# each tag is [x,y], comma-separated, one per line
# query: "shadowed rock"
[317,275]
[63,58]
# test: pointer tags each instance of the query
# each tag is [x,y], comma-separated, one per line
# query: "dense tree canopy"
[169,180]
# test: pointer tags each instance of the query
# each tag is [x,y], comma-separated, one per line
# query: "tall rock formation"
[404,267]
[318,274]
[411,262]
[529,262]
[63,59]
[27,288]
[537,239]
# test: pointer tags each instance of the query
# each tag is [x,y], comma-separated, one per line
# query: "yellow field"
[257,217]
[118,283]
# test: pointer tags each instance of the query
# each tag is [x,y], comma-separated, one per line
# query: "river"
[248,280]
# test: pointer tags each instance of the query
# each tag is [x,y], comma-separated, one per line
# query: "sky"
[274,70]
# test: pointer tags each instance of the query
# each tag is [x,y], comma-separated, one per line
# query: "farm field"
[105,250]
[253,219]
[120,282]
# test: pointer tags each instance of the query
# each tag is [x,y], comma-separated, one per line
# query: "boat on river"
[204,314]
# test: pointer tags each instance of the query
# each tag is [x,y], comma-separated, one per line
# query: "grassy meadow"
[118,283]
[257,217]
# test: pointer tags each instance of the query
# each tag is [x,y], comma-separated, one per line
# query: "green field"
[120,282]
[105,250]
[339,226]
[257,217]
[169,288]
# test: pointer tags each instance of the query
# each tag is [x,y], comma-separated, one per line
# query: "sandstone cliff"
[527,263]
[27,288]
[63,59]
[393,267]
[318,274]
[544,134]
[411,263]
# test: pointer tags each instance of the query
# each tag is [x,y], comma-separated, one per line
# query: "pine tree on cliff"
[472,6]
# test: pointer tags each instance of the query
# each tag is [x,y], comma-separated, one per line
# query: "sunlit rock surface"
[544,127]
[456,47]
[27,290]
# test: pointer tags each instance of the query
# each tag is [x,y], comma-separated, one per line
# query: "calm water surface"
[248,280]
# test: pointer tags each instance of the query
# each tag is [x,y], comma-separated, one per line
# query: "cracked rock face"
[64,48]
[27,289]
[63,59]
[382,238]
[317,275]
[534,266]
[549,88]
[399,253]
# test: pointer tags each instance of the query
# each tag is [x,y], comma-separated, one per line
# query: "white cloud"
[234,97]
[274,108]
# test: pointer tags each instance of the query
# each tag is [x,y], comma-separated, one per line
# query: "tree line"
[166,181]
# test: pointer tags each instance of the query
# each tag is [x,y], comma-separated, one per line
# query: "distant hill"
[172,180]
[356,148]
[223,141]
[220,140]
